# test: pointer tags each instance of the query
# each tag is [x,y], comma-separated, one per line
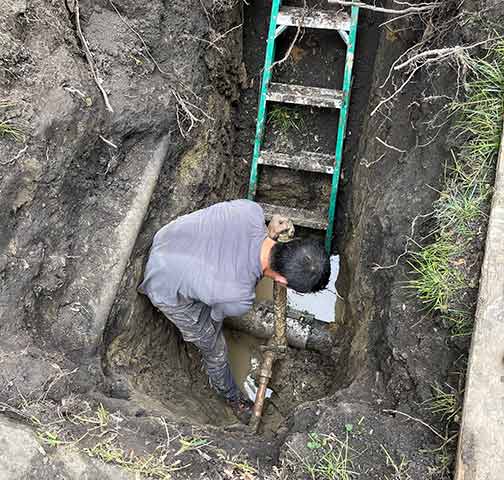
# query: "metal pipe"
[263,380]
[280,309]
[303,331]
[278,342]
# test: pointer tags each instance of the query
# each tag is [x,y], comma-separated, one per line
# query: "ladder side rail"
[261,111]
[342,124]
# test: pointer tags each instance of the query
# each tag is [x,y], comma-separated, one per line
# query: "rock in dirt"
[22,457]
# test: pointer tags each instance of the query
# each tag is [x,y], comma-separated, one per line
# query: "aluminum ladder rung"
[305,161]
[301,95]
[303,218]
[323,19]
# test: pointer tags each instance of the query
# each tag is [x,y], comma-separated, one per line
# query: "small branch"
[385,144]
[108,142]
[76,91]
[409,239]
[153,60]
[89,58]
[13,159]
[222,35]
[424,7]
[441,53]
[396,92]
[434,431]
[367,164]
[210,44]
[295,39]
[183,107]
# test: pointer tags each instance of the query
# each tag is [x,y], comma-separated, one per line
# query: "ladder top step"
[323,19]
[301,95]
[303,218]
[305,161]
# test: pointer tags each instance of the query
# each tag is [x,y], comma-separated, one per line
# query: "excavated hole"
[145,357]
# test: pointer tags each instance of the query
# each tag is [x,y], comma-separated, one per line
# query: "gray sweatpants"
[197,327]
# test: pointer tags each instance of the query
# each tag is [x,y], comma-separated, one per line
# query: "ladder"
[346,25]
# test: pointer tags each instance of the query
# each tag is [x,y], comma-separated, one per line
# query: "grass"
[285,119]
[9,128]
[191,443]
[399,468]
[152,466]
[440,273]
[442,467]
[445,403]
[443,271]
[331,459]
[236,466]
[50,438]
[437,280]
[459,321]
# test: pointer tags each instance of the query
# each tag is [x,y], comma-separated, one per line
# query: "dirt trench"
[386,358]
[65,211]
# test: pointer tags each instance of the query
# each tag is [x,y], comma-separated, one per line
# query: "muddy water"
[245,358]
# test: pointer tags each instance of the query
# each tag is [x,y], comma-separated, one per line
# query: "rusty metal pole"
[277,346]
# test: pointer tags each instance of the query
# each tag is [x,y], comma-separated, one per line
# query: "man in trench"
[205,266]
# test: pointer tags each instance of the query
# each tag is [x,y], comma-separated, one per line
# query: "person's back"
[205,266]
[212,256]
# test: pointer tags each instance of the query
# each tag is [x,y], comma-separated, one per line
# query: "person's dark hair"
[304,263]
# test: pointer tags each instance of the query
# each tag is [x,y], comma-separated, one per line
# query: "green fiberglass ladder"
[346,26]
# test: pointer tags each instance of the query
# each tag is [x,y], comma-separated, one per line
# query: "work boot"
[242,408]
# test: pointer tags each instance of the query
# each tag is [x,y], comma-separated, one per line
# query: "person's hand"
[278,225]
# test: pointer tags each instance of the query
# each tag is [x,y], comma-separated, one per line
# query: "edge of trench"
[481,440]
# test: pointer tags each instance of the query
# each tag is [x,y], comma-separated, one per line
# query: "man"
[204,267]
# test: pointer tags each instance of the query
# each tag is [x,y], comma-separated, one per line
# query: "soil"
[78,215]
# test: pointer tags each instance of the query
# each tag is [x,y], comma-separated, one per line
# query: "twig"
[6,408]
[439,53]
[108,142]
[367,164]
[60,375]
[182,104]
[420,60]
[289,50]
[210,44]
[205,10]
[89,58]
[419,4]
[291,46]
[13,159]
[75,90]
[433,430]
[396,92]
[412,9]
[394,19]
[409,239]
[222,35]
[385,144]
[153,60]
